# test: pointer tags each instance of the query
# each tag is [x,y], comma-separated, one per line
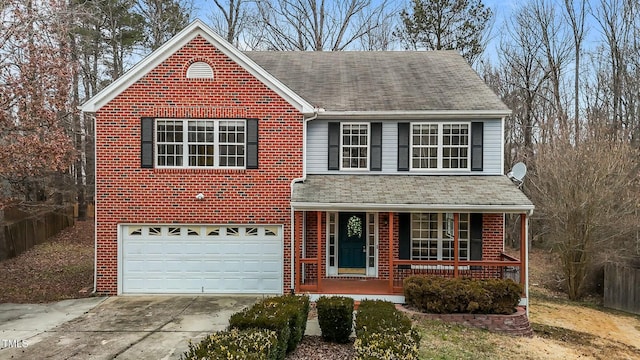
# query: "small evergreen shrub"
[442,295]
[505,295]
[286,315]
[265,316]
[335,317]
[234,344]
[298,309]
[383,332]
[387,346]
[379,316]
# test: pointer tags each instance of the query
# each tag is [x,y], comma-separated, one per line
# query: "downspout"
[526,260]
[294,181]
[95,212]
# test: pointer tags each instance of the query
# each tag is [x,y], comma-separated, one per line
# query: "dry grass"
[56,270]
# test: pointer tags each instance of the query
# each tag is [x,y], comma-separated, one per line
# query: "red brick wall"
[127,193]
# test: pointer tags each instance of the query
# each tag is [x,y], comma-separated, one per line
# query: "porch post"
[319,246]
[391,267]
[297,251]
[523,252]
[456,246]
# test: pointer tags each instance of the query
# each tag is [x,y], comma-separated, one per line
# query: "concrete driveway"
[124,327]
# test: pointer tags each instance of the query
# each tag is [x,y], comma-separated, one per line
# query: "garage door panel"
[202,263]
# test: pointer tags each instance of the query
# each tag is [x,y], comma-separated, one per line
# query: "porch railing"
[506,268]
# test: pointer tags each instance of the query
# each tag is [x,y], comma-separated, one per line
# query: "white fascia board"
[497,209]
[161,54]
[414,115]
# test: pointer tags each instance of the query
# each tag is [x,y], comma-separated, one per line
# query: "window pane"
[231,138]
[355,139]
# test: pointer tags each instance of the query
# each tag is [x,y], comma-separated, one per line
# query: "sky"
[502,9]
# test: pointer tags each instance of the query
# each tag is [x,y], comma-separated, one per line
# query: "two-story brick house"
[221,171]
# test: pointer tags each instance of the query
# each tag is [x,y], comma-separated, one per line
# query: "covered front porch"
[365,250]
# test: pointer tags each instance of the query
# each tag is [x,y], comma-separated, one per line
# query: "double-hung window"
[432,236]
[354,144]
[200,143]
[440,146]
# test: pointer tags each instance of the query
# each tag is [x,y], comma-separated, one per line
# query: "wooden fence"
[622,288]
[21,235]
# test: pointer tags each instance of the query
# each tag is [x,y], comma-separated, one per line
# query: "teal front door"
[351,240]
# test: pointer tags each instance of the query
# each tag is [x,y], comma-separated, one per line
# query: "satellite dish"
[517,173]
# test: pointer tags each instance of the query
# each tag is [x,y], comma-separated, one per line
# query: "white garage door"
[201,259]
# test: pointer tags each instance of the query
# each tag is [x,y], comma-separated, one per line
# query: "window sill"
[198,171]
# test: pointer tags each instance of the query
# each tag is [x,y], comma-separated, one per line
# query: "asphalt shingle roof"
[381,80]
[411,192]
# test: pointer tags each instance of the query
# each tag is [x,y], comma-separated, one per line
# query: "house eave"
[489,208]
[154,59]
[413,115]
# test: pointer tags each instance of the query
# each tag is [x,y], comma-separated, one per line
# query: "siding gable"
[317,145]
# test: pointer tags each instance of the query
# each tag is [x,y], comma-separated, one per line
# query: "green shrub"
[384,332]
[389,345]
[506,295]
[269,316]
[298,309]
[379,316]
[442,295]
[252,344]
[286,315]
[335,317]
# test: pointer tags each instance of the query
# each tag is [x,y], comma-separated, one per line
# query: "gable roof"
[196,28]
[349,82]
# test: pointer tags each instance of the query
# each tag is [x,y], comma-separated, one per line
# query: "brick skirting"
[516,324]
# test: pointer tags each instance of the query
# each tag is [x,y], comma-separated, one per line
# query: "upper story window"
[200,143]
[432,236]
[354,146]
[440,146]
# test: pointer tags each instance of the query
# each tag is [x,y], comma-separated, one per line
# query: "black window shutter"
[476,145]
[476,238]
[376,147]
[334,146]
[403,146]
[252,143]
[404,235]
[146,142]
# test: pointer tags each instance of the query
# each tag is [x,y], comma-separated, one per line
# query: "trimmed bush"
[252,344]
[335,317]
[286,315]
[443,296]
[379,316]
[265,316]
[383,332]
[387,346]
[298,309]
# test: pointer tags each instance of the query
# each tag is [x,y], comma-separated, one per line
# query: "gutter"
[295,181]
[413,207]
[414,115]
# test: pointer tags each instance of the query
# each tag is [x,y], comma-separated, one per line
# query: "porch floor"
[356,287]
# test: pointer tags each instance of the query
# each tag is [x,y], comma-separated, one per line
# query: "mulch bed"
[314,348]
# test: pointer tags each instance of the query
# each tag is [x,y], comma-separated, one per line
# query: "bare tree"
[318,25]
[162,19]
[587,196]
[231,18]
[576,16]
